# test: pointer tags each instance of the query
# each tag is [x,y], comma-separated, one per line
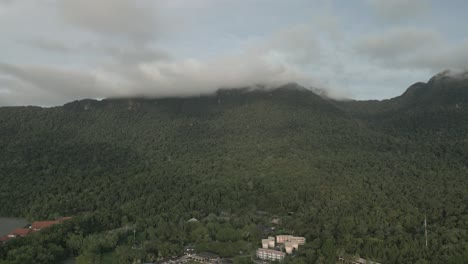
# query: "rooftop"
[43,224]
[271,251]
[64,218]
[20,232]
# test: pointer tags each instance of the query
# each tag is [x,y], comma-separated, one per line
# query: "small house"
[19,232]
[189,250]
[38,225]
[4,239]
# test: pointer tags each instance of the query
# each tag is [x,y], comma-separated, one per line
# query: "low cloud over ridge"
[58,51]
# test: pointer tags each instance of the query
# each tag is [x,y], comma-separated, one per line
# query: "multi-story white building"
[268,243]
[270,254]
[265,243]
[271,242]
[281,239]
[290,246]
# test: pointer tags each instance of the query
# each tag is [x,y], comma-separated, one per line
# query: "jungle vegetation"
[353,177]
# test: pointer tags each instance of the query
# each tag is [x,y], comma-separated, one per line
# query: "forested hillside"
[354,178]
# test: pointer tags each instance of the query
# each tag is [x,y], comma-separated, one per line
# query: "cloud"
[413,48]
[14,92]
[398,42]
[48,45]
[4,6]
[445,56]
[107,48]
[124,53]
[296,44]
[399,9]
[5,2]
[134,20]
[273,60]
[186,77]
[192,76]
[154,72]
[45,84]
[134,55]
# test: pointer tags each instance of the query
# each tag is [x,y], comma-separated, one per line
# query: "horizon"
[62,51]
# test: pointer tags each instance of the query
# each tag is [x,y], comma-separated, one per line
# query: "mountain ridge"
[350,175]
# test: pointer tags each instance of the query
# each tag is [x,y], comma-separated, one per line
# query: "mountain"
[444,90]
[353,177]
[438,107]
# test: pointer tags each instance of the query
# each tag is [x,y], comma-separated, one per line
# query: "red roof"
[43,224]
[20,232]
[4,238]
[65,218]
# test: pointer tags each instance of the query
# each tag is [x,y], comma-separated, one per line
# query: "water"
[7,224]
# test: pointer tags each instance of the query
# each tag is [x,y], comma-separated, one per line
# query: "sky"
[56,51]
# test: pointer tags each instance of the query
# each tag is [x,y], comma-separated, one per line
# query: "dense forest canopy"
[353,177]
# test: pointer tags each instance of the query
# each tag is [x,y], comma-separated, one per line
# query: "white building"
[270,254]
[265,243]
[290,247]
[268,243]
[281,239]
[271,242]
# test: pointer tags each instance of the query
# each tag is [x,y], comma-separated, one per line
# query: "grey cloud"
[182,77]
[48,45]
[6,2]
[133,55]
[47,81]
[399,9]
[129,19]
[272,61]
[297,44]
[150,71]
[192,76]
[303,44]
[121,48]
[414,49]
[129,53]
[397,42]
[442,57]
[14,92]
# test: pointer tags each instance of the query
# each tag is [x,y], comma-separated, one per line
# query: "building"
[34,227]
[276,221]
[271,242]
[265,243]
[4,239]
[281,239]
[192,220]
[189,250]
[19,232]
[268,243]
[38,225]
[270,254]
[64,218]
[205,257]
[290,247]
